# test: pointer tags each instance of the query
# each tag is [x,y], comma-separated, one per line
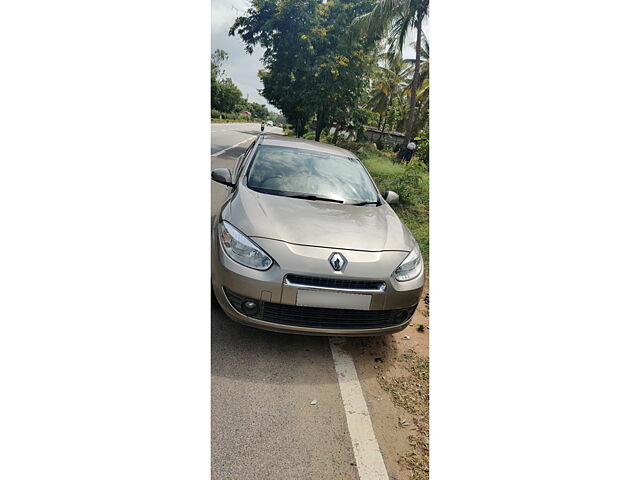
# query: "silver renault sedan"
[305,243]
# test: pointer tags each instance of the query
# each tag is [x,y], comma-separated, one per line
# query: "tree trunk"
[383,114]
[382,131]
[418,110]
[319,122]
[414,86]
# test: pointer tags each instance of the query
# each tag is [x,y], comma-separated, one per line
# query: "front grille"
[337,283]
[331,318]
[335,318]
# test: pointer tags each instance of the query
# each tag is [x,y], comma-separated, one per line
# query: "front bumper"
[389,311]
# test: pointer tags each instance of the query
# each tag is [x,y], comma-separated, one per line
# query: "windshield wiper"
[314,197]
[359,204]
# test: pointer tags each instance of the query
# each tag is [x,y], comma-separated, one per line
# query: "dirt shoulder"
[394,373]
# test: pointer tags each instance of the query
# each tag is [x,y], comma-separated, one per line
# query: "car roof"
[291,142]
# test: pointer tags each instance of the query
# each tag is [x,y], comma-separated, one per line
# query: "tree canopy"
[338,61]
[225,95]
[395,18]
[313,65]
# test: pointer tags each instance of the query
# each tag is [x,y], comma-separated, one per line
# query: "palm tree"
[396,17]
[423,80]
[422,93]
[388,83]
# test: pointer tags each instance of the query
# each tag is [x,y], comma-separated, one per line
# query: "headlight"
[410,267]
[241,249]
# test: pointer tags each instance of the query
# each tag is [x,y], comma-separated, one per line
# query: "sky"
[242,67]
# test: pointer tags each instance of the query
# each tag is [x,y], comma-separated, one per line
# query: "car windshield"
[310,174]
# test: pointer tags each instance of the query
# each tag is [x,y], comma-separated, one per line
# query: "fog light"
[402,315]
[249,307]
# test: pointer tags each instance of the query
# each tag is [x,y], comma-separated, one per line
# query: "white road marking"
[232,146]
[363,440]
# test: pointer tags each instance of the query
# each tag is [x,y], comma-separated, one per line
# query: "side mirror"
[223,176]
[392,198]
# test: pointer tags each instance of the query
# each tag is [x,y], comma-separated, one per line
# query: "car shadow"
[252,355]
[249,354]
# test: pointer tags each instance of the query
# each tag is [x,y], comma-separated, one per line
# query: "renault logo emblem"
[337,261]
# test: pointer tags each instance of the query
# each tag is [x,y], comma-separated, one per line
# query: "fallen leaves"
[411,392]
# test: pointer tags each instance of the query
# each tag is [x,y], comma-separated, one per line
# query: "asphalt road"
[262,385]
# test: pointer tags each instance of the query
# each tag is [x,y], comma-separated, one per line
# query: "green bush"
[422,150]
[354,147]
[410,185]
[416,219]
[383,146]
[312,136]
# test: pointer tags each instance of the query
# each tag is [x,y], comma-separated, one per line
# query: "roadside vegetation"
[340,65]
[231,119]
[227,102]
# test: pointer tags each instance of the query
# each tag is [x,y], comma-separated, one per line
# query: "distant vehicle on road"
[270,123]
[305,243]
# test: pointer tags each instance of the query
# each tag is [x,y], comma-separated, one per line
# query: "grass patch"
[230,120]
[416,219]
[411,392]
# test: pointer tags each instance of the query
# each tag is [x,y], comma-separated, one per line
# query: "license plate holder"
[325,299]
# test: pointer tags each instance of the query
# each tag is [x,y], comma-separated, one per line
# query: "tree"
[258,111]
[387,85]
[422,94]
[343,65]
[225,95]
[312,64]
[278,28]
[217,57]
[396,17]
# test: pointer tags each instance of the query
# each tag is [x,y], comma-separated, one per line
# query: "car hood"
[317,223]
